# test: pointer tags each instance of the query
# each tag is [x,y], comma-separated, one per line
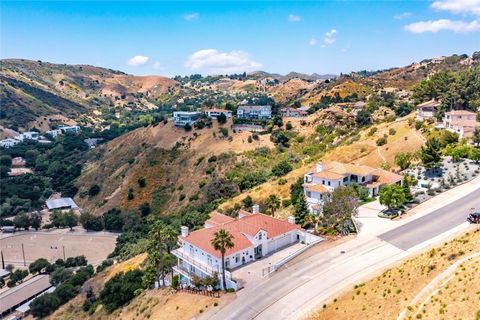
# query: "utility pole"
[63,252]
[23,253]
[3,261]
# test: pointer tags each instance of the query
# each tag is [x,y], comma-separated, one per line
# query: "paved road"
[433,224]
[293,292]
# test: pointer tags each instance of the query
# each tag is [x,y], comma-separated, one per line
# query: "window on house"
[328,182]
[309,194]
[363,179]
[260,236]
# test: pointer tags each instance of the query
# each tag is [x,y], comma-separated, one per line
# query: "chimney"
[255,209]
[291,219]
[319,166]
[184,231]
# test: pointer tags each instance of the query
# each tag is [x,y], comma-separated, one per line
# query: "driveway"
[255,271]
[368,221]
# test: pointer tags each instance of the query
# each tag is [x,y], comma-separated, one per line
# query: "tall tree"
[340,205]
[476,137]
[392,196]
[222,240]
[273,203]
[156,249]
[430,153]
[301,211]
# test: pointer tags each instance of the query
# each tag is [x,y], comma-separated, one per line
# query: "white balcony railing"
[209,270]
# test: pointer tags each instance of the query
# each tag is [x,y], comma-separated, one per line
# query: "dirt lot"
[95,246]
[431,285]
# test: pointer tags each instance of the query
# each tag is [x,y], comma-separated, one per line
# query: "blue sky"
[173,38]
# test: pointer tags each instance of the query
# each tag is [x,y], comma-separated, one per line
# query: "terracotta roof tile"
[240,229]
[316,188]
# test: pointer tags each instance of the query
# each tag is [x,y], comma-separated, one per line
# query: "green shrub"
[121,289]
[381,141]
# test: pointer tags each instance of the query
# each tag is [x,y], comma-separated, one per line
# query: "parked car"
[474,217]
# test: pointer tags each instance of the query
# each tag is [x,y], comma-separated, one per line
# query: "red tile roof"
[240,229]
[218,219]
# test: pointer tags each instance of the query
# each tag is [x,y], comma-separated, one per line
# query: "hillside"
[440,283]
[31,89]
[168,158]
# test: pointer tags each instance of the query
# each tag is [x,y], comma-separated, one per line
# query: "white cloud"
[457,26]
[213,61]
[312,42]
[157,65]
[293,18]
[191,16]
[137,61]
[329,38]
[402,16]
[458,6]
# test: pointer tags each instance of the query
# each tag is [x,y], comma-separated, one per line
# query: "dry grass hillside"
[442,283]
[32,89]
[166,157]
[150,304]
[363,151]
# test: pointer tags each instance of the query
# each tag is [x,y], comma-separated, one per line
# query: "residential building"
[254,112]
[29,135]
[214,113]
[255,235]
[72,129]
[61,204]
[461,122]
[181,118]
[427,110]
[54,133]
[18,162]
[327,177]
[295,112]
[7,143]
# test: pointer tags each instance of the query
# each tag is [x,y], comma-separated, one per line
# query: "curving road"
[294,291]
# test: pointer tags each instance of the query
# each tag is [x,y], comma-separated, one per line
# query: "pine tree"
[301,210]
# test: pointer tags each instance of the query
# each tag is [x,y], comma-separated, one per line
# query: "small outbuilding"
[61,204]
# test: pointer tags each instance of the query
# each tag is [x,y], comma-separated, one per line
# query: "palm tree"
[222,241]
[171,239]
[158,237]
[273,203]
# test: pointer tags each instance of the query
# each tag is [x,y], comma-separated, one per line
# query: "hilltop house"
[327,177]
[214,113]
[181,118]
[427,110]
[461,122]
[295,113]
[9,142]
[255,235]
[73,129]
[254,112]
[29,135]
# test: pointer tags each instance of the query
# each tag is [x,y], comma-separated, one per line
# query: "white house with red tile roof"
[255,235]
[327,177]
[461,122]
